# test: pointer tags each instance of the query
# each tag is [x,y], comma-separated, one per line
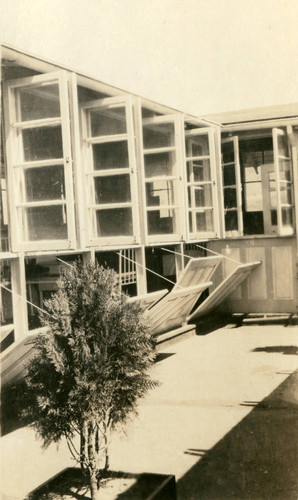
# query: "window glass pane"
[191,222]
[45,183]
[197,145]
[283,147]
[230,198]
[6,308]
[112,189]
[158,136]
[39,102]
[287,217]
[110,155]
[6,311]
[253,192]
[227,150]
[204,221]
[286,194]
[161,164]
[229,175]
[253,197]
[285,170]
[46,223]
[108,121]
[231,220]
[160,221]
[201,221]
[4,246]
[114,222]
[42,143]
[159,193]
[198,170]
[272,190]
[200,196]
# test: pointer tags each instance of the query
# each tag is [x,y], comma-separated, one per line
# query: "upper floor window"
[109,160]
[200,183]
[163,178]
[4,246]
[258,187]
[39,162]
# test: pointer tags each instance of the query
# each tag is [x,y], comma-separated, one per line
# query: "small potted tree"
[90,368]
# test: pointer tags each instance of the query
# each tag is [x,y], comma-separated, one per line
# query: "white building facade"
[90,172]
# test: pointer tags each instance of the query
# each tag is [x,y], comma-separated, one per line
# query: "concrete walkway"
[211,388]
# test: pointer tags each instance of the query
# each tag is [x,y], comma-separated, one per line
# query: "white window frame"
[282,231]
[191,236]
[16,165]
[237,186]
[176,178]
[89,173]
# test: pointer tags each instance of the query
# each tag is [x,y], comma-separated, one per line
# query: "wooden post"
[179,258]
[140,270]
[18,286]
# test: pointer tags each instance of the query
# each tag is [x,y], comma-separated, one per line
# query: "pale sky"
[199,56]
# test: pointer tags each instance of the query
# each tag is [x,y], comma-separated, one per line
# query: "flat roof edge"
[9,52]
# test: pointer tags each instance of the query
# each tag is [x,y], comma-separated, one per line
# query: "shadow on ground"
[11,417]
[213,322]
[73,484]
[257,459]
[282,349]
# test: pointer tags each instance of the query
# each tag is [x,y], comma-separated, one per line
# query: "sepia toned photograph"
[149,250]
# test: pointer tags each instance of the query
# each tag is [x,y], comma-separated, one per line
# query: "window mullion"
[44,122]
[275,134]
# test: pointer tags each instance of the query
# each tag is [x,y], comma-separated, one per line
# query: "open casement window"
[281,184]
[39,162]
[200,183]
[163,181]
[109,160]
[232,187]
[6,305]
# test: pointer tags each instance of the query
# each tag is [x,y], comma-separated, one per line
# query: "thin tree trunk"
[92,461]
[84,446]
[106,442]
[93,487]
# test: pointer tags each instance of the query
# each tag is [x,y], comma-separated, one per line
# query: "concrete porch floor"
[208,423]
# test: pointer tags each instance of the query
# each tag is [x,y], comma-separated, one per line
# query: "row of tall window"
[156,176]
[167,177]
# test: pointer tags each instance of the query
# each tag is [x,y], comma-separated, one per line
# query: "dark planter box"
[147,486]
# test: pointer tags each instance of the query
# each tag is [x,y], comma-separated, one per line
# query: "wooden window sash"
[179,233]
[212,168]
[40,123]
[45,203]
[161,178]
[15,150]
[40,164]
[156,151]
[162,207]
[235,141]
[101,104]
[104,139]
[282,230]
[109,172]
[108,206]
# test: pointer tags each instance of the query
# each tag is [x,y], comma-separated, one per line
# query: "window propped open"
[162,178]
[200,183]
[109,161]
[39,162]
[258,185]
